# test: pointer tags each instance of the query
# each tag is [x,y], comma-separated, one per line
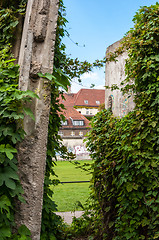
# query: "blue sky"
[97,24]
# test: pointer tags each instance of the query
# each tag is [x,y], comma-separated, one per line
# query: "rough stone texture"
[36,55]
[115,74]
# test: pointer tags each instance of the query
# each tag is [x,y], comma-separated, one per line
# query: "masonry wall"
[115,74]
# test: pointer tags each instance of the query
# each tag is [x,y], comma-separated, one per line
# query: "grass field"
[66,195]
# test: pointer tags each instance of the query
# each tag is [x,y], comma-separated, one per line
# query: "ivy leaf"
[107,209]
[23,230]
[156,236]
[8,150]
[61,79]
[29,113]
[1,181]
[139,212]
[10,183]
[5,232]
[129,187]
[8,176]
[49,76]
[153,124]
[4,202]
[41,75]
[31,94]
[145,222]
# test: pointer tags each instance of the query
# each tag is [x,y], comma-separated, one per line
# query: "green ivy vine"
[125,185]
[12,112]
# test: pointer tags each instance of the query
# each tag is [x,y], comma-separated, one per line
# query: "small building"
[78,107]
[87,101]
[75,125]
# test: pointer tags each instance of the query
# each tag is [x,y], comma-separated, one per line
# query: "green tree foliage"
[125,186]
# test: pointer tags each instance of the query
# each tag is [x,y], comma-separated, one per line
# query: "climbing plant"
[125,151]
[12,113]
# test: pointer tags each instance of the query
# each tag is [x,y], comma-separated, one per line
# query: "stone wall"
[77,147]
[115,74]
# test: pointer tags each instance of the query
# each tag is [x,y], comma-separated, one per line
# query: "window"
[98,102]
[87,111]
[65,123]
[80,134]
[60,133]
[86,101]
[72,133]
[78,123]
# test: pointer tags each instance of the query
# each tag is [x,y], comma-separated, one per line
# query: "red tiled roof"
[78,99]
[91,95]
[70,114]
[69,99]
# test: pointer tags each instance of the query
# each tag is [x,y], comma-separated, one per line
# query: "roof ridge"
[77,94]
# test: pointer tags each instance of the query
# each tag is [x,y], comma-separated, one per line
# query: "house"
[79,106]
[86,101]
[75,125]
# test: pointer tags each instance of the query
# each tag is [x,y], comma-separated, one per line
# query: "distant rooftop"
[90,97]
[85,97]
[71,114]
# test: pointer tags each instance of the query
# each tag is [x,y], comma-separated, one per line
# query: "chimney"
[69,90]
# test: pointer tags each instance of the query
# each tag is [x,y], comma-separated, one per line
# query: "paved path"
[68,216]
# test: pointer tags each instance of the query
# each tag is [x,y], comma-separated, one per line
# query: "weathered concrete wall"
[77,147]
[36,55]
[115,74]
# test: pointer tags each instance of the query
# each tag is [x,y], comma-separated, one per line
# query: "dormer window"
[98,102]
[87,112]
[78,123]
[64,123]
[86,101]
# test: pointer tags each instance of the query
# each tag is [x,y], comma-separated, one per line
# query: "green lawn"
[66,195]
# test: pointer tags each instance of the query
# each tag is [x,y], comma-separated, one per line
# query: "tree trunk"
[36,55]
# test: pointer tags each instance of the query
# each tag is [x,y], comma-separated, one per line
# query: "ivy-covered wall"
[114,76]
[125,186]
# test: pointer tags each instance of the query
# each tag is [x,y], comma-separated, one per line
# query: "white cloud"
[75,87]
[100,87]
[96,78]
[90,76]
